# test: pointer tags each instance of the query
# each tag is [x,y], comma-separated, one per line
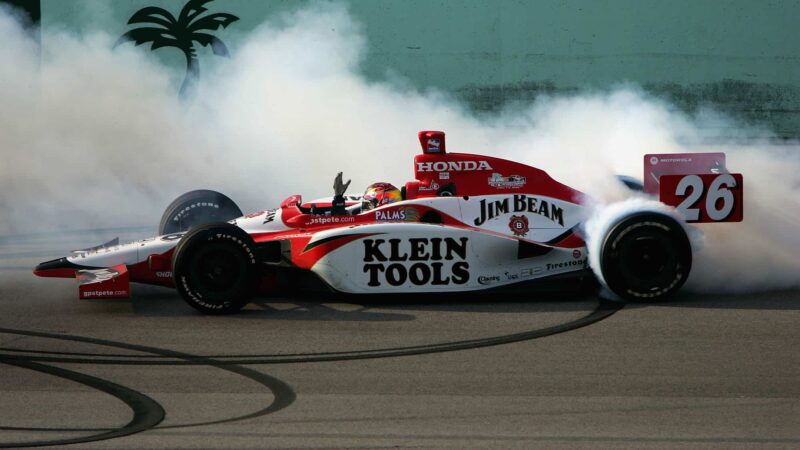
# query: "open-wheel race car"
[466,223]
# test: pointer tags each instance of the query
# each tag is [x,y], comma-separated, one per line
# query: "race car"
[467,222]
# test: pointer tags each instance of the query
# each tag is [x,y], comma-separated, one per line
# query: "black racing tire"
[197,208]
[215,268]
[646,257]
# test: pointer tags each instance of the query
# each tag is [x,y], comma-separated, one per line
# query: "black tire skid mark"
[147,413]
[283,394]
[604,310]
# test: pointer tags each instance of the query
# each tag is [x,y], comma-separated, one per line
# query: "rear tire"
[646,257]
[197,208]
[215,268]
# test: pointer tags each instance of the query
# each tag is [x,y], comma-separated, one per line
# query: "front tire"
[646,257]
[215,268]
[197,208]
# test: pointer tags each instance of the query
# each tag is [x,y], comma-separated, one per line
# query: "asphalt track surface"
[549,372]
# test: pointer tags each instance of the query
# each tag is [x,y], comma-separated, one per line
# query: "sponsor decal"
[531,271]
[324,220]
[405,214]
[669,160]
[654,160]
[510,182]
[520,203]
[106,293]
[576,254]
[444,175]
[453,166]
[419,261]
[434,145]
[519,225]
[238,241]
[522,274]
[255,214]
[491,279]
[527,272]
[566,264]
[179,215]
[164,274]
[433,187]
[270,216]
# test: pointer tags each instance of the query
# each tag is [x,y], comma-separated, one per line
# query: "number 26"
[718,192]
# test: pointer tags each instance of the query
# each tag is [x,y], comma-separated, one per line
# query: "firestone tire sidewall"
[198,248]
[197,208]
[617,276]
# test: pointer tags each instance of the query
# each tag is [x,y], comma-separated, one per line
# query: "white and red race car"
[467,223]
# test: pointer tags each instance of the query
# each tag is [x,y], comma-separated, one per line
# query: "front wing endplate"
[112,282]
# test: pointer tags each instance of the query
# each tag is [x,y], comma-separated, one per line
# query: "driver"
[379,194]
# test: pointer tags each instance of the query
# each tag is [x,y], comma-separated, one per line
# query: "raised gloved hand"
[337,206]
[339,188]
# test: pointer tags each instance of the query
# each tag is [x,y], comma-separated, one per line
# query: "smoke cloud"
[94,137]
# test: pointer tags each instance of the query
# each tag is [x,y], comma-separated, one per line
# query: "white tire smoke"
[95,138]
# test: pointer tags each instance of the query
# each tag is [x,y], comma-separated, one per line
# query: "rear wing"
[697,184]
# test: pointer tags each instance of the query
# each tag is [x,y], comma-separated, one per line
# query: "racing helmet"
[379,194]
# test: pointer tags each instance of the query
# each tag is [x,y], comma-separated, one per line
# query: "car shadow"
[476,302]
[158,301]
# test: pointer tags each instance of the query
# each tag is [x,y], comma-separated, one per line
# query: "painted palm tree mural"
[180,33]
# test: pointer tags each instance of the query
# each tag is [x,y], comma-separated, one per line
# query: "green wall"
[740,55]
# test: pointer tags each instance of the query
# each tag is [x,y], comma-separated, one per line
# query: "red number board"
[713,197]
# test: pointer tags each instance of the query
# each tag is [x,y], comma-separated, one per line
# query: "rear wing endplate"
[697,184]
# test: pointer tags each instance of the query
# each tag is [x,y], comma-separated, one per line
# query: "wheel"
[646,257]
[196,208]
[215,268]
